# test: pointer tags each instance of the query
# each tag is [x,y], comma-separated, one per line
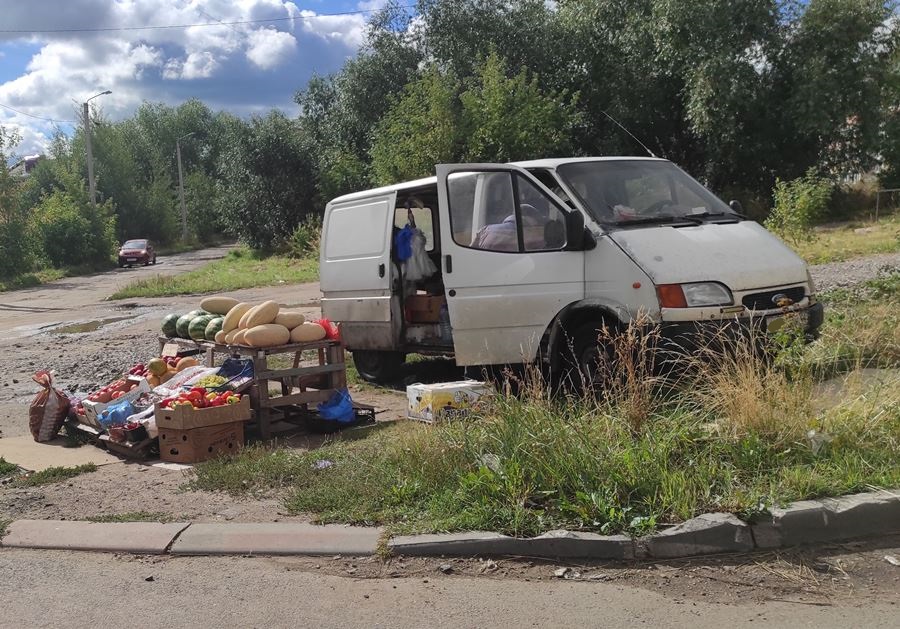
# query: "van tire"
[379,367]
[579,358]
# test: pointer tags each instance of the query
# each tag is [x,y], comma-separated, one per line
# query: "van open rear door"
[355,273]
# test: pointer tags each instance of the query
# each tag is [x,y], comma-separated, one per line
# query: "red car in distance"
[138,251]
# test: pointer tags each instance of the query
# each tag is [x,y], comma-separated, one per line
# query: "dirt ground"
[71,328]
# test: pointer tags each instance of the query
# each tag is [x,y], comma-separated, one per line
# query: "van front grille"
[767,301]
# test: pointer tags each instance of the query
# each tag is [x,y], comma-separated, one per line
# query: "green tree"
[72,230]
[420,130]
[512,118]
[15,242]
[266,179]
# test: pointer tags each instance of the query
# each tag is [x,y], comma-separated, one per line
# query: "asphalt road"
[75,297]
[57,589]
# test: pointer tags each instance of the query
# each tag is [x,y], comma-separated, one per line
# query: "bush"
[73,232]
[798,205]
[16,244]
[304,242]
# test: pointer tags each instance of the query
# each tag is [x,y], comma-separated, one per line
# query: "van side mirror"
[736,206]
[574,231]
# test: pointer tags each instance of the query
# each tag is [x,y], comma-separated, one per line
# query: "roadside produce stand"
[190,412]
[316,382]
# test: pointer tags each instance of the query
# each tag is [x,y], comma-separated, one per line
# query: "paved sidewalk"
[184,538]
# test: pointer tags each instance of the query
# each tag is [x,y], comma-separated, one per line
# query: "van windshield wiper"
[658,220]
[728,215]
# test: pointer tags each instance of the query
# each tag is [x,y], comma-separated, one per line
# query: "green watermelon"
[181,326]
[198,313]
[197,327]
[169,324]
[214,326]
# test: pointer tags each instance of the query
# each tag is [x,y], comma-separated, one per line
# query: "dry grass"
[851,240]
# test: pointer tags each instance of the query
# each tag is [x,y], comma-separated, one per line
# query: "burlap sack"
[48,410]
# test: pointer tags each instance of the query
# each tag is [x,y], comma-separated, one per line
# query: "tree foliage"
[743,94]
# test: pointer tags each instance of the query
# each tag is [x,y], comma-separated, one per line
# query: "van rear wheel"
[379,367]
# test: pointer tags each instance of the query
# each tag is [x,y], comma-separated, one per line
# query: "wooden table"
[314,383]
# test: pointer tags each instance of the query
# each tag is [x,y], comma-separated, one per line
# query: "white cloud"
[220,64]
[268,47]
[197,65]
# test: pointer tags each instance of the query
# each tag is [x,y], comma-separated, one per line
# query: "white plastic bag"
[419,266]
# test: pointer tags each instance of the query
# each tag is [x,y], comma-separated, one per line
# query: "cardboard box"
[92,410]
[188,418]
[424,308]
[445,400]
[200,444]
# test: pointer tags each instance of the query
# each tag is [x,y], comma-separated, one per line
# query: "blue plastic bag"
[403,243]
[116,414]
[339,407]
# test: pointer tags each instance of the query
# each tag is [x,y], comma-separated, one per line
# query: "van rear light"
[671,296]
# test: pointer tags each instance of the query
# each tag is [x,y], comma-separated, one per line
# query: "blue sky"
[242,68]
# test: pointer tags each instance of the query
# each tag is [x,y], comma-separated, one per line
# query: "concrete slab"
[710,533]
[550,545]
[276,538]
[139,538]
[470,544]
[34,457]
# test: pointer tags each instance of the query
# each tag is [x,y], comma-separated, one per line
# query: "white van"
[532,258]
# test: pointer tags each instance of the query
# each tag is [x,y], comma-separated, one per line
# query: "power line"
[25,113]
[216,23]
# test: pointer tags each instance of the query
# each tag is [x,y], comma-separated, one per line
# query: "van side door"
[506,270]
[355,270]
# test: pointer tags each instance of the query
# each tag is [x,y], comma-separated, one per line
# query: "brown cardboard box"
[200,444]
[424,308]
[186,418]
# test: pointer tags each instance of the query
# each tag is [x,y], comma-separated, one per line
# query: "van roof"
[554,162]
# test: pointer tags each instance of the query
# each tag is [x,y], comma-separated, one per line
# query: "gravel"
[852,272]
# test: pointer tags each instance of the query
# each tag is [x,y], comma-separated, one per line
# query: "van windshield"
[637,191]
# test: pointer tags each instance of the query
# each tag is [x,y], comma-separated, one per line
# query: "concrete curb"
[828,519]
[276,538]
[825,520]
[140,538]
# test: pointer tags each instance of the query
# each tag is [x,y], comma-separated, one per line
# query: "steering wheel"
[656,207]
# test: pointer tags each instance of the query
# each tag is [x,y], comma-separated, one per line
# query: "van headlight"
[693,295]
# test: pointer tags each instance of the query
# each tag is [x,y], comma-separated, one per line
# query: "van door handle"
[381,270]
[448,263]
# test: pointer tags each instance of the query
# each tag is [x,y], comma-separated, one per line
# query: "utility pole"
[87,146]
[184,229]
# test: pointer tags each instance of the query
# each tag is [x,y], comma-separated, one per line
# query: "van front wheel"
[586,360]
[379,367]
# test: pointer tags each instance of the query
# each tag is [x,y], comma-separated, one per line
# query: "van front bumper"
[690,336]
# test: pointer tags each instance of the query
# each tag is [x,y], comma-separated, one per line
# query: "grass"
[7,468]
[3,525]
[133,516]
[738,434]
[843,242]
[241,268]
[53,475]
[45,276]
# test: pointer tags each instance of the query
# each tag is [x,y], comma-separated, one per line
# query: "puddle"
[87,326]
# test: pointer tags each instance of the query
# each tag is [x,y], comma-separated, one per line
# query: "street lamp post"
[87,145]
[184,229]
